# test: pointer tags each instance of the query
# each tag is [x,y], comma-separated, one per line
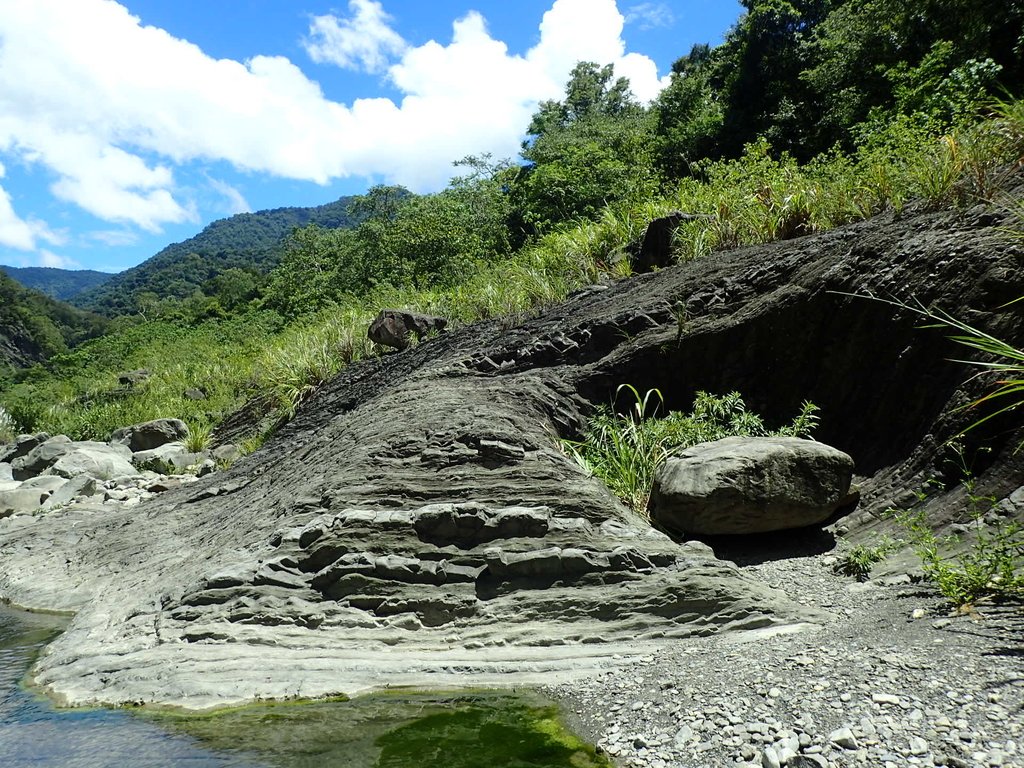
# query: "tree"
[592,148]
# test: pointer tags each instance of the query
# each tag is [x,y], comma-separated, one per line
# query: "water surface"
[399,730]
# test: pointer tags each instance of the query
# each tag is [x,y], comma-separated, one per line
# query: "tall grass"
[625,450]
[753,199]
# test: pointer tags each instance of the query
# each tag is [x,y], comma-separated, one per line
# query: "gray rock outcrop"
[416,524]
[97,460]
[741,485]
[41,457]
[395,327]
[151,434]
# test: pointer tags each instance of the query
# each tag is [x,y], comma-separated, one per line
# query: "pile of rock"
[40,472]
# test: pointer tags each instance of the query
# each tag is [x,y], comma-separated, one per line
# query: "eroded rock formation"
[416,522]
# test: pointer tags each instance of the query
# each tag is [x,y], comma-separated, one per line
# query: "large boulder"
[151,434]
[22,446]
[393,327]
[21,501]
[97,460]
[41,457]
[656,248]
[741,485]
[167,459]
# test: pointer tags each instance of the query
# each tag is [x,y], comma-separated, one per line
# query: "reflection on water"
[409,730]
[32,733]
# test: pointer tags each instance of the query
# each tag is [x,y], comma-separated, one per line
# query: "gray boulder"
[5,472]
[749,485]
[40,458]
[75,488]
[393,327]
[151,434]
[22,445]
[21,501]
[46,483]
[97,460]
[166,459]
[129,379]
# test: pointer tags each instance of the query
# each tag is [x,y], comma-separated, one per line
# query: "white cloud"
[650,15]
[113,237]
[111,107]
[50,259]
[365,41]
[23,234]
[235,200]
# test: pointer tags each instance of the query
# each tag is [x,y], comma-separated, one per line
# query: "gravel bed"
[892,680]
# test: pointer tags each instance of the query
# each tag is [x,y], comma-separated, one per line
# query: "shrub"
[858,560]
[8,429]
[990,566]
[626,450]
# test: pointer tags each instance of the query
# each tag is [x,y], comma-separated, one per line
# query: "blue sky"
[125,126]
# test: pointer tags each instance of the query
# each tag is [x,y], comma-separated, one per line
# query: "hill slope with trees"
[60,284]
[249,242]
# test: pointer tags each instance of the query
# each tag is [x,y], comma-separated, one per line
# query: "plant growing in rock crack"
[858,560]
[991,566]
[625,450]
[199,436]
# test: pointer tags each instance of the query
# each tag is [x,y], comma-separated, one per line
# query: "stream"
[478,729]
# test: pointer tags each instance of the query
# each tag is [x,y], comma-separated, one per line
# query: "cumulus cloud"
[50,259]
[365,41]
[650,15]
[112,108]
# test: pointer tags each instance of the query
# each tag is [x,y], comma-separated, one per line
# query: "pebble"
[868,688]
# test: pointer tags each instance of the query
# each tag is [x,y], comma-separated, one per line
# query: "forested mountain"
[250,242]
[34,327]
[61,284]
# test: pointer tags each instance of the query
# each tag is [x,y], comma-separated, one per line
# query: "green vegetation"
[34,327]
[858,560]
[60,284]
[190,271]
[395,731]
[625,451]
[811,114]
[990,565]
[8,429]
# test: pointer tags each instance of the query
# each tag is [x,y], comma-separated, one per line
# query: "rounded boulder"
[741,485]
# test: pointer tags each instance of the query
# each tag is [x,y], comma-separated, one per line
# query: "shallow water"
[403,730]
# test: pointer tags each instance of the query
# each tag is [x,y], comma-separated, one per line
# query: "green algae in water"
[409,730]
[481,736]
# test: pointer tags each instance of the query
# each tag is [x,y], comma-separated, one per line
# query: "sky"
[127,126]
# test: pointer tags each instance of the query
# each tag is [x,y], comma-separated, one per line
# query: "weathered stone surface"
[151,434]
[656,248]
[98,460]
[741,485]
[22,445]
[76,487]
[40,458]
[394,327]
[167,459]
[6,473]
[18,501]
[129,379]
[415,523]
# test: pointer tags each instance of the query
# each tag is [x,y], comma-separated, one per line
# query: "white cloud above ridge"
[110,107]
[364,42]
[650,15]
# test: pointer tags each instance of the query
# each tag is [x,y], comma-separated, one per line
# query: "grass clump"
[8,428]
[858,560]
[625,450]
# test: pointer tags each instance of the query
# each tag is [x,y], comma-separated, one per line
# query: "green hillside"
[253,242]
[34,327]
[61,284]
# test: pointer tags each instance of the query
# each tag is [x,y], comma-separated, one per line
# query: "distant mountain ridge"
[253,241]
[61,284]
[34,327]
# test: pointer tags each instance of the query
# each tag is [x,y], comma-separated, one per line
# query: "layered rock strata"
[417,524]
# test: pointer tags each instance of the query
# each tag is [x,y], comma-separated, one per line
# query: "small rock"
[843,737]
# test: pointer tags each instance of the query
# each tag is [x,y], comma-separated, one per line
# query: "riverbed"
[408,729]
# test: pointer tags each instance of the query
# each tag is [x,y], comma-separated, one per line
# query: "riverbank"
[891,680]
